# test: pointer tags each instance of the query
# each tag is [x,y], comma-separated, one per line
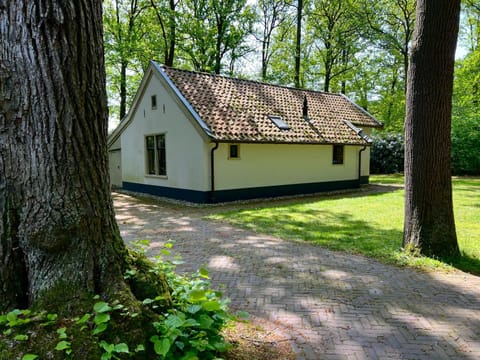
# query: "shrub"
[387,153]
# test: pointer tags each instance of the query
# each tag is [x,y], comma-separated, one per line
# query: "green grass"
[368,223]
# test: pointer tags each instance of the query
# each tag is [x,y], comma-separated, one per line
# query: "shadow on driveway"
[335,305]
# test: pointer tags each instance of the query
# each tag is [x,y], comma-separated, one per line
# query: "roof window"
[359,131]
[277,120]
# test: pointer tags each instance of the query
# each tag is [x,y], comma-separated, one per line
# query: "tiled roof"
[238,110]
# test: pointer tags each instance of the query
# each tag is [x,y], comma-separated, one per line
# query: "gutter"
[212,173]
[360,163]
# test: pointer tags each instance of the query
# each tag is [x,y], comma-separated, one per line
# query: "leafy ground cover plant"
[188,329]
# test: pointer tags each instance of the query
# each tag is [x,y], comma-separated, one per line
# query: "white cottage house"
[207,138]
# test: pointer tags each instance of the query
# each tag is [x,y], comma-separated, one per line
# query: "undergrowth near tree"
[189,329]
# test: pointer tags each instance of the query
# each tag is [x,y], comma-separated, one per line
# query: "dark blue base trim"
[283,190]
[203,197]
[199,197]
[364,180]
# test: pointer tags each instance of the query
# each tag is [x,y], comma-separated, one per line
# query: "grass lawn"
[364,222]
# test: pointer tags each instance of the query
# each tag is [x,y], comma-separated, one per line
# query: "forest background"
[356,47]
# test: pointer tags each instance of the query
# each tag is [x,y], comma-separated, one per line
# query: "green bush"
[466,146]
[387,153]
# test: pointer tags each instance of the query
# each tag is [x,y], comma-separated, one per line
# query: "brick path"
[333,305]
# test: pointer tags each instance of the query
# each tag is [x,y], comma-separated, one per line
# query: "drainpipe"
[212,172]
[360,164]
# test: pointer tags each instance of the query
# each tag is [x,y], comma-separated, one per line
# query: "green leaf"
[205,321]
[101,318]
[165,252]
[161,346]
[211,305]
[147,301]
[139,348]
[99,329]
[101,307]
[193,309]
[109,348]
[62,333]
[204,273]
[197,295]
[222,346]
[83,319]
[12,316]
[21,337]
[29,357]
[52,317]
[62,345]
[190,322]
[189,356]
[122,348]
[173,321]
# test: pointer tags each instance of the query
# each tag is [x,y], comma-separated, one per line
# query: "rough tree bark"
[58,233]
[429,221]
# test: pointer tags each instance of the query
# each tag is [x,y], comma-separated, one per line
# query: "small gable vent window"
[277,120]
[337,154]
[154,102]
[234,151]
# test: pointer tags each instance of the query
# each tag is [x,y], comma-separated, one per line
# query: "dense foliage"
[387,153]
[359,48]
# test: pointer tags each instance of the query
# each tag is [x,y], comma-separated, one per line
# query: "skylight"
[359,131]
[277,120]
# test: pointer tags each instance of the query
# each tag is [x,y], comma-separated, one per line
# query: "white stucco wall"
[282,164]
[187,154]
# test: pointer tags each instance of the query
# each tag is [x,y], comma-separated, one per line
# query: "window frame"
[153,100]
[156,156]
[234,146]
[338,154]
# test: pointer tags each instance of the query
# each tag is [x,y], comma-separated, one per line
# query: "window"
[234,151]
[154,102]
[156,155]
[277,120]
[337,154]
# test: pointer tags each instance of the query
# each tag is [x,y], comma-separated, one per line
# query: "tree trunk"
[57,226]
[298,43]
[172,35]
[429,221]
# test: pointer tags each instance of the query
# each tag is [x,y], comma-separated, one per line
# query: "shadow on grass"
[336,304]
[464,263]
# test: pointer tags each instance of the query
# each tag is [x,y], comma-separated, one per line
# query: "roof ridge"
[249,80]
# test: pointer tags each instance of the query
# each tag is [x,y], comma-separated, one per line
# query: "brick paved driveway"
[335,306]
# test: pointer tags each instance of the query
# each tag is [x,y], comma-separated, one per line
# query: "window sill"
[156,176]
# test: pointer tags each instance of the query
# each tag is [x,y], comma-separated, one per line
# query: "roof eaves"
[184,101]
[380,124]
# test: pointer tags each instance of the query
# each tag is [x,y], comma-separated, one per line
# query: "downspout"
[212,173]
[360,164]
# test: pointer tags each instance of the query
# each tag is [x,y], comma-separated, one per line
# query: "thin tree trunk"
[429,221]
[57,227]
[172,36]
[298,43]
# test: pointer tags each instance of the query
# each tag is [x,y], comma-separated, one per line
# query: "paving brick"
[337,306]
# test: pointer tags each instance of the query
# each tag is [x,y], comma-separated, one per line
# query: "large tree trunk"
[429,221]
[57,226]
